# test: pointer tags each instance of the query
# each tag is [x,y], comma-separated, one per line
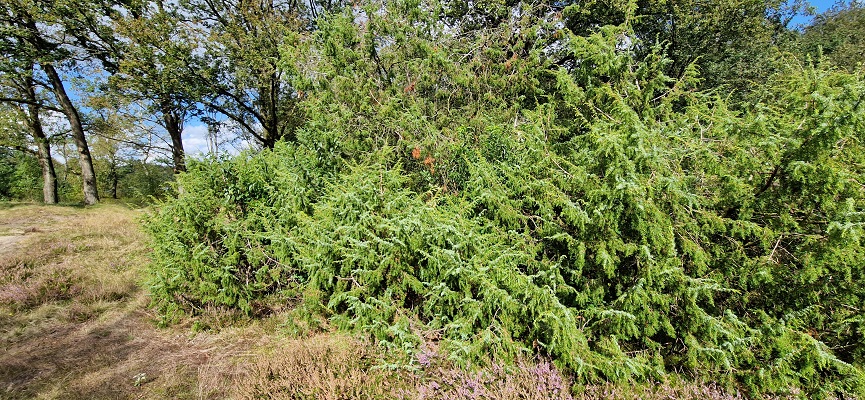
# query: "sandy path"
[7,243]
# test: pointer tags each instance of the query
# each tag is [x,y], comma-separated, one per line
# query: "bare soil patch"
[7,243]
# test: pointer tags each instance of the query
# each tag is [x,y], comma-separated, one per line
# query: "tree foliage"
[838,34]
[153,71]
[234,67]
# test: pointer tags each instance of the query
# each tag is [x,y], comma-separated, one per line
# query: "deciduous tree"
[838,34]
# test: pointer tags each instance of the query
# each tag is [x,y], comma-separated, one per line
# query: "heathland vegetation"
[595,193]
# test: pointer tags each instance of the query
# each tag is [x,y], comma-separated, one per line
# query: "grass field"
[75,324]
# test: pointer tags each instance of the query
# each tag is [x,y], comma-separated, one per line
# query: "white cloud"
[195,139]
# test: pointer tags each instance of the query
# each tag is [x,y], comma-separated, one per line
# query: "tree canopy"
[838,34]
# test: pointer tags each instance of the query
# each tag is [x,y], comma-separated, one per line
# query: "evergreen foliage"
[468,189]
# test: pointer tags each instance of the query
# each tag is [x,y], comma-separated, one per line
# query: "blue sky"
[820,5]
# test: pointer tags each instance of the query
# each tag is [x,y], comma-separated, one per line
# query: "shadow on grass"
[132,204]
[9,205]
[114,359]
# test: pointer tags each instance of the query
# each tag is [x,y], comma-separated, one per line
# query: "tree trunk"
[88,175]
[174,125]
[49,176]
[114,178]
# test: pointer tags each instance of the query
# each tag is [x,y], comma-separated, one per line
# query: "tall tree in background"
[59,35]
[838,34]
[114,142]
[21,92]
[235,67]
[732,42]
[152,70]
[32,32]
[19,170]
[43,145]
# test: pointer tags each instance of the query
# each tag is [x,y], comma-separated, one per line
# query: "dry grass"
[326,367]
[333,367]
[74,321]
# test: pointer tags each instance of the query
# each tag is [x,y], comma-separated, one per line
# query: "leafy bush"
[19,176]
[600,213]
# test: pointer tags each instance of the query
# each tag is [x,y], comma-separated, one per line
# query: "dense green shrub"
[19,176]
[604,214]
